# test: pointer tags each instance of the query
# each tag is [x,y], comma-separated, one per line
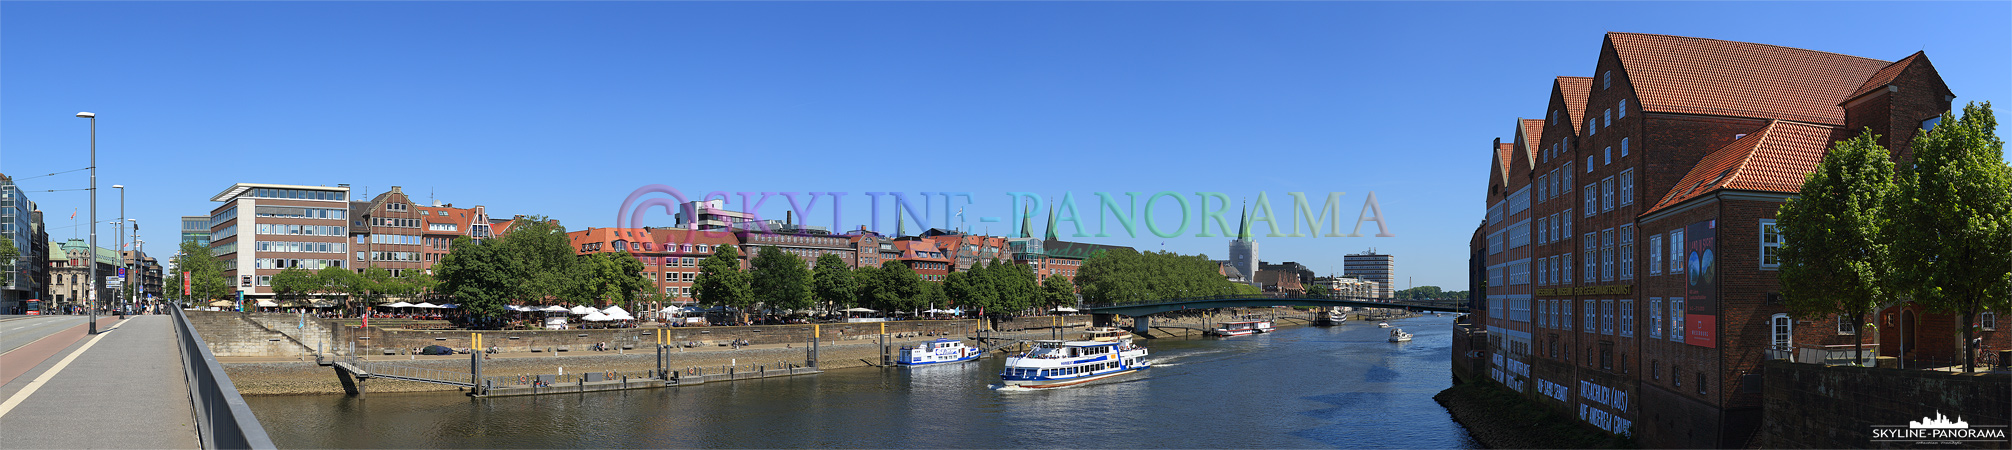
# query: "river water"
[1300,387]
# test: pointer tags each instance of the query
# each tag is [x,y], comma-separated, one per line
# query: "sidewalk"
[123,388]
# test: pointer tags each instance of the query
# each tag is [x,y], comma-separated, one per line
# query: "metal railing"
[1393,303]
[223,420]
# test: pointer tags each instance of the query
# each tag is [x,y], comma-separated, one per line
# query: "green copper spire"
[1051,222]
[1244,224]
[1027,222]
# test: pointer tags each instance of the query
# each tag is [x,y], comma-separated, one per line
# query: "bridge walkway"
[122,388]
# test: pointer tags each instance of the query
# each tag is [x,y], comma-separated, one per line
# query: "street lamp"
[92,305]
[120,240]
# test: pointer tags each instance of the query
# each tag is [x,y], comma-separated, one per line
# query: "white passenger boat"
[1383,324]
[1329,317]
[940,351]
[1227,329]
[1398,335]
[1055,364]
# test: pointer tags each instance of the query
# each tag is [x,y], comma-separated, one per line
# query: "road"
[16,331]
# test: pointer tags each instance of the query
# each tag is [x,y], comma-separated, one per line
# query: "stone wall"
[1817,406]
[229,333]
[376,340]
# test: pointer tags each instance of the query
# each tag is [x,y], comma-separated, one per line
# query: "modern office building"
[196,229]
[1629,245]
[1372,266]
[26,275]
[711,215]
[261,229]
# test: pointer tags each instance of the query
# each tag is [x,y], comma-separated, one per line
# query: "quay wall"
[1819,406]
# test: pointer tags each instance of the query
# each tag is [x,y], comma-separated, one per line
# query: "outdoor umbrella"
[615,311]
[596,316]
[554,308]
[425,305]
[582,309]
[858,310]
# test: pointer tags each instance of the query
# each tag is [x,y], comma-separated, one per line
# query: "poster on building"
[1701,308]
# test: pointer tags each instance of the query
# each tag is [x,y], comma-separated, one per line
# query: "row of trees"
[1864,235]
[1427,293]
[1127,276]
[778,280]
[536,263]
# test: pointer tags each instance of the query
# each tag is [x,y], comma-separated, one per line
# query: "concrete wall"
[373,340]
[232,334]
[1816,406]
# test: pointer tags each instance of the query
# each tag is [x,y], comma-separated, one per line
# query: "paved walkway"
[123,388]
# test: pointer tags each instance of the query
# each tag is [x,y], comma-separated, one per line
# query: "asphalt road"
[15,333]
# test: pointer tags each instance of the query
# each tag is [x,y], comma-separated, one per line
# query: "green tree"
[478,279]
[965,289]
[1015,287]
[422,285]
[1125,276]
[833,283]
[779,280]
[614,278]
[1058,291]
[541,259]
[372,286]
[721,282]
[897,287]
[294,282]
[1835,254]
[1953,222]
[866,282]
[206,274]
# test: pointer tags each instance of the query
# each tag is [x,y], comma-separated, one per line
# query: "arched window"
[1781,330]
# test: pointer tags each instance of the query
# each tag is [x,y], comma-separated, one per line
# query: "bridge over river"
[1142,312]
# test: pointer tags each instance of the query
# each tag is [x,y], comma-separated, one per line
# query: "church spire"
[1027,222]
[1244,224]
[1051,222]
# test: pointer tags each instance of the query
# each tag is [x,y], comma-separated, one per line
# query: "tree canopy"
[1835,258]
[1125,276]
[1952,227]
[779,279]
[832,282]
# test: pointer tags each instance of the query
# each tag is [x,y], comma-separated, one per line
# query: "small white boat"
[1398,335]
[940,351]
[1055,364]
[1227,329]
[1383,324]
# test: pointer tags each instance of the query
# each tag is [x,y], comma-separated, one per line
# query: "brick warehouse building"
[1650,188]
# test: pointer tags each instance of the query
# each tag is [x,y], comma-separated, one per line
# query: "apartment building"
[261,229]
[388,232]
[1379,268]
[1649,190]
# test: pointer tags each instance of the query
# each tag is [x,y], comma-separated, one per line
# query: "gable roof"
[1503,151]
[1533,133]
[1575,91]
[1724,78]
[1774,159]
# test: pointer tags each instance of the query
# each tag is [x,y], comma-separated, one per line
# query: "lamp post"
[133,265]
[93,282]
[120,241]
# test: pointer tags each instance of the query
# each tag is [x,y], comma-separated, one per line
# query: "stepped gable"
[1725,78]
[1774,159]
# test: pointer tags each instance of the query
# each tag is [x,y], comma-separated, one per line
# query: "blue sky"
[564,109]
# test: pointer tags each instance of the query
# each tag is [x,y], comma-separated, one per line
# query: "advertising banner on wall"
[1701,308]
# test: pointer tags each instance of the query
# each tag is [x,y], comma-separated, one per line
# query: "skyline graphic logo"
[1938,429]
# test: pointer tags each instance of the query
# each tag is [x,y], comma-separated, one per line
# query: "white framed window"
[1627,187]
[1624,146]
[1592,244]
[1590,316]
[1607,118]
[1541,272]
[1987,321]
[1607,317]
[1624,113]
[1770,245]
[1543,189]
[1846,326]
[1592,198]
[1607,255]
[1676,319]
[1543,231]
[1608,157]
[1655,254]
[1677,251]
[1655,317]
[1564,310]
[1627,251]
[1554,117]
[1627,326]
[1589,163]
[1590,124]
[1565,269]
[1781,331]
[1568,223]
[1555,237]
[1567,182]
[1607,194]
[1606,79]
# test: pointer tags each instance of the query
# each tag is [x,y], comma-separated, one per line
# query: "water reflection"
[1301,387]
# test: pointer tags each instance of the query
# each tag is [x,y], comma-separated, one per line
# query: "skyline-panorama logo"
[1938,429]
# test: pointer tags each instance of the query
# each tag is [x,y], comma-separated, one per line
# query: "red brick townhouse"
[1651,189]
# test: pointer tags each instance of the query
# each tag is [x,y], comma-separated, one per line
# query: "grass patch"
[1500,418]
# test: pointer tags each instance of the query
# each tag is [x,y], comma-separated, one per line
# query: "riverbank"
[1191,327]
[294,376]
[1498,418]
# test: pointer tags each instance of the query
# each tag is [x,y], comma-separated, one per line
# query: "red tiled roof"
[1533,133]
[1575,90]
[1883,77]
[1502,153]
[1713,77]
[1774,159]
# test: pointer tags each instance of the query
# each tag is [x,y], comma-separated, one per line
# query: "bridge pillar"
[1102,320]
[350,383]
[1142,324]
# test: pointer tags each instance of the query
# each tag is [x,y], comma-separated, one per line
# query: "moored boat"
[1244,328]
[1383,324]
[1056,364]
[940,351]
[1398,335]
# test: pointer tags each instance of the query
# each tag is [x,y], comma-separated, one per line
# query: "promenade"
[122,388]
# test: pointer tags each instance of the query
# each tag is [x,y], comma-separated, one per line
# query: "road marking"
[44,378]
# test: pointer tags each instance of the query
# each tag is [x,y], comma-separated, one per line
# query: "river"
[1301,387]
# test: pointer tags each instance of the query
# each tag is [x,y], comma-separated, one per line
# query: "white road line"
[40,380]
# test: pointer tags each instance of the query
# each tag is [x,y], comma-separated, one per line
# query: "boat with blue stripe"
[1056,364]
[940,351]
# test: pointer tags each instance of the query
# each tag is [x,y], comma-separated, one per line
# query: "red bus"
[32,307]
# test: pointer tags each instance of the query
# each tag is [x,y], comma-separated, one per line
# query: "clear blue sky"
[563,109]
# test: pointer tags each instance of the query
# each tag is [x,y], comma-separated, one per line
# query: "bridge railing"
[223,418]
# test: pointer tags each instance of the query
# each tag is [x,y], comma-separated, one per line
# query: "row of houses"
[57,273]
[1625,273]
[262,229]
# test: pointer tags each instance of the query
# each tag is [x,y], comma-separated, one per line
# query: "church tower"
[1244,251]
